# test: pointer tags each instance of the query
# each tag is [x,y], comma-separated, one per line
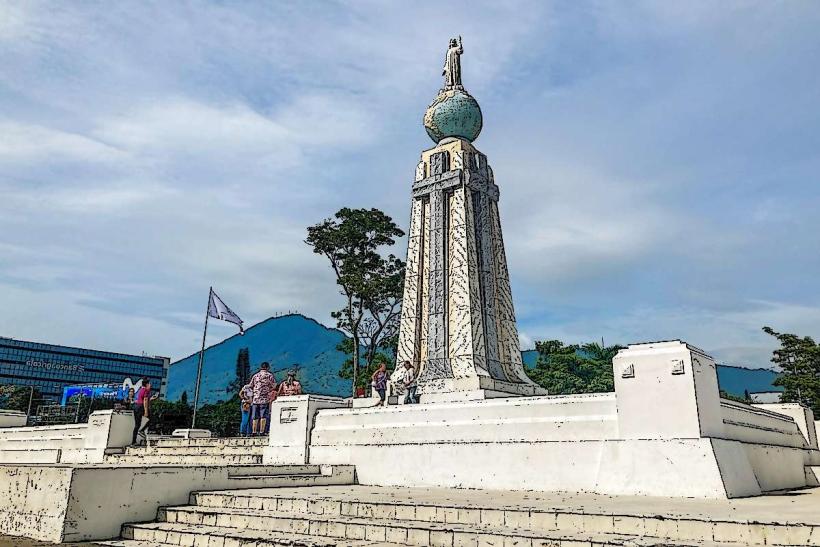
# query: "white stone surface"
[634,520]
[802,416]
[656,401]
[458,322]
[75,443]
[291,422]
[191,433]
[71,503]
[664,432]
[12,418]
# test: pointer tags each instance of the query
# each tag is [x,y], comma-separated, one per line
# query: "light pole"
[30,399]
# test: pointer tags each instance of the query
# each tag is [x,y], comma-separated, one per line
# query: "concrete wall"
[664,432]
[803,417]
[74,443]
[12,418]
[68,504]
[291,423]
[753,424]
[666,390]
[34,501]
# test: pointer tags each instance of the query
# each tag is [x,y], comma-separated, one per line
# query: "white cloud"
[22,143]
[656,163]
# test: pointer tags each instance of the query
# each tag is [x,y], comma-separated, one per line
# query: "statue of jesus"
[452,64]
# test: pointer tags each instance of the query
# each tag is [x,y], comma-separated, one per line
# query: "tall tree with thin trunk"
[370,282]
[243,371]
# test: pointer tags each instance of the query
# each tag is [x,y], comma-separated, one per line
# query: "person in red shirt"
[291,386]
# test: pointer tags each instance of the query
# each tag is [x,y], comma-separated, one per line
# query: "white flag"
[218,310]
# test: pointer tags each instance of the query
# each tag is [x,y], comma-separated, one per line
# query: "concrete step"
[218,450]
[185,459]
[213,441]
[401,532]
[555,516]
[163,533]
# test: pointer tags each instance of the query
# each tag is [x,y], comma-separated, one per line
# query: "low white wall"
[664,432]
[683,468]
[73,443]
[802,416]
[754,424]
[72,504]
[292,420]
[34,501]
[569,417]
[12,418]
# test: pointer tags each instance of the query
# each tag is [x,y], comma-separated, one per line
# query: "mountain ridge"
[296,340]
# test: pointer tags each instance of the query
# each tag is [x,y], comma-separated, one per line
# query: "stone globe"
[453,113]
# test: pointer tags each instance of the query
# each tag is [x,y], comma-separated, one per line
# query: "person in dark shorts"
[142,410]
[263,385]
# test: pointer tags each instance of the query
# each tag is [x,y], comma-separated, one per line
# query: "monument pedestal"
[664,432]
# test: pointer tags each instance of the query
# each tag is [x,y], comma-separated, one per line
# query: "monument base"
[473,388]
[562,443]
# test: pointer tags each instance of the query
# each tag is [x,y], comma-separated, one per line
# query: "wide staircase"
[369,516]
[205,452]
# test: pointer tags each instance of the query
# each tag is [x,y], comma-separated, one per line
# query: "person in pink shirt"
[291,386]
[142,409]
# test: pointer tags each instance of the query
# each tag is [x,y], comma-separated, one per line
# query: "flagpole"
[201,358]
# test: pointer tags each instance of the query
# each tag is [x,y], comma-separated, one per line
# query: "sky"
[658,161]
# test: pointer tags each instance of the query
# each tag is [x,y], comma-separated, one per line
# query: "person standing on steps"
[410,384]
[290,386]
[263,385]
[379,380]
[142,410]
[245,398]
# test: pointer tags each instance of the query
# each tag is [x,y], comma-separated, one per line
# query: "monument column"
[458,324]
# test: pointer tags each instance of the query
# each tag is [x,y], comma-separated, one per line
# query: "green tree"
[184,398]
[170,415]
[565,370]
[799,360]
[745,399]
[243,371]
[371,283]
[221,418]
[17,397]
[367,370]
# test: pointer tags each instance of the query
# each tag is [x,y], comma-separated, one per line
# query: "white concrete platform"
[89,502]
[665,431]
[193,451]
[334,515]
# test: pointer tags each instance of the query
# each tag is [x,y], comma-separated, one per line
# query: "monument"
[458,323]
[486,434]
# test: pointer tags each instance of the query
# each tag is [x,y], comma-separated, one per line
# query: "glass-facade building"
[49,368]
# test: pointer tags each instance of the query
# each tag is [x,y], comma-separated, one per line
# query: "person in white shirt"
[410,384]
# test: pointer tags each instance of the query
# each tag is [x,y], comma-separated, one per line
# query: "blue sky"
[658,161]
